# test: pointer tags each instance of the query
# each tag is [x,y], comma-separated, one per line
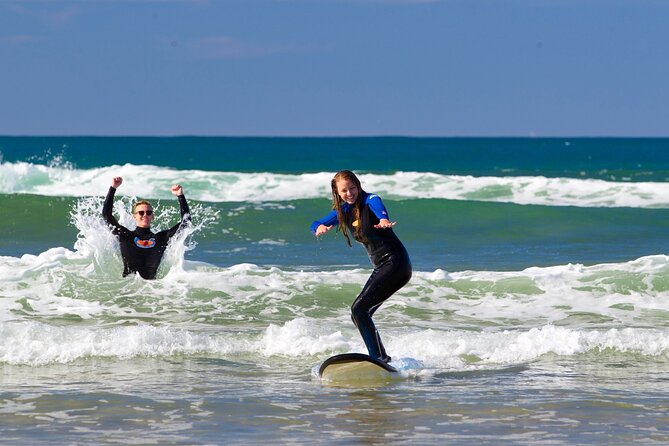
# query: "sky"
[335,67]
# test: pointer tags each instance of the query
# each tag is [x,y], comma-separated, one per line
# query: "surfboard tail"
[350,368]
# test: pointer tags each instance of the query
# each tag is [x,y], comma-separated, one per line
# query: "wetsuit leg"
[385,280]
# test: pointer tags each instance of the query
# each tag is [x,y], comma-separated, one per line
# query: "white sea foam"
[460,349]
[154,182]
[304,337]
[35,343]
[57,307]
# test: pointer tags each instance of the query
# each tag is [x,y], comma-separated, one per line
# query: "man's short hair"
[139,203]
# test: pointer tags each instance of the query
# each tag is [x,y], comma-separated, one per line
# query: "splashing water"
[96,242]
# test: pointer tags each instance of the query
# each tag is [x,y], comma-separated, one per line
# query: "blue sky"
[335,67]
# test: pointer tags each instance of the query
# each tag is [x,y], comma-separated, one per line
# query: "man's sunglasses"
[141,213]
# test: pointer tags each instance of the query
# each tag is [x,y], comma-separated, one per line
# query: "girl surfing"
[363,216]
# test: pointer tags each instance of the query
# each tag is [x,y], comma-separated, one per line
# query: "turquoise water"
[603,158]
[538,312]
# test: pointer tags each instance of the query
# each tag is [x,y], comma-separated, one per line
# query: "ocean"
[538,312]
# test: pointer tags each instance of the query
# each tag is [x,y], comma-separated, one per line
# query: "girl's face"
[347,190]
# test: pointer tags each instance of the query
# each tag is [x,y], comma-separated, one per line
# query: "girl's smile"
[347,191]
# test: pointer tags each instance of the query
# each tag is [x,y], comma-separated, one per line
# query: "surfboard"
[355,367]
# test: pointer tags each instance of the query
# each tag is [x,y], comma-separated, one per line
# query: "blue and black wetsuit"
[141,249]
[392,267]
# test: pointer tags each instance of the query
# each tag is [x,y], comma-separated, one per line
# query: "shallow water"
[604,398]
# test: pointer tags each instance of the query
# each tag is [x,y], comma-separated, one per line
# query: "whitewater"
[153,182]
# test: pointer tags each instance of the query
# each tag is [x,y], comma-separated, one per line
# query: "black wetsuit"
[141,249]
[392,269]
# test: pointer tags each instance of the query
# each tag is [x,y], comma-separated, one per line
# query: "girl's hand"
[322,229]
[384,223]
[116,182]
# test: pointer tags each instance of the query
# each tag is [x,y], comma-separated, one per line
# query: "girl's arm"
[320,227]
[376,205]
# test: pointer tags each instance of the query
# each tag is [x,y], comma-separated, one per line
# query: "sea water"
[538,312]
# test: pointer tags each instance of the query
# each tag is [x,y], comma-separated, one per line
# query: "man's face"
[143,215]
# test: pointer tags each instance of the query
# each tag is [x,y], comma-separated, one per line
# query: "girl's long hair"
[343,218]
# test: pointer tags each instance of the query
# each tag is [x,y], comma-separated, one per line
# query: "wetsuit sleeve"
[185,215]
[107,211]
[328,220]
[376,205]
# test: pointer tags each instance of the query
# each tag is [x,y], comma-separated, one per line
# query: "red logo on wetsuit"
[150,243]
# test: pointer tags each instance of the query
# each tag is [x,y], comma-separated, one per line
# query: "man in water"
[141,249]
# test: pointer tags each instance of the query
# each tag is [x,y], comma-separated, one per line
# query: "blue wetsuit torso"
[141,249]
[377,242]
[392,267]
